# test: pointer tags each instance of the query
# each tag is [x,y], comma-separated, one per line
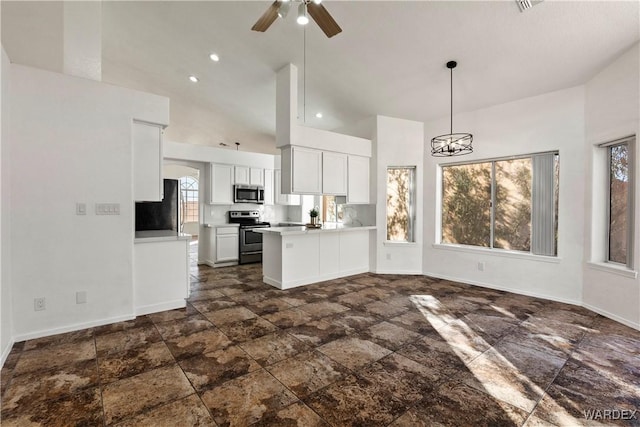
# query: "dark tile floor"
[367,350]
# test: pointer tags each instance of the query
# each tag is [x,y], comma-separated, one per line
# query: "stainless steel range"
[250,246]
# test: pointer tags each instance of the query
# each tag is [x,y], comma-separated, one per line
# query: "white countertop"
[326,228]
[220,225]
[149,236]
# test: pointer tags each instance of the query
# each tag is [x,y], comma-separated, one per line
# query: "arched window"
[189,202]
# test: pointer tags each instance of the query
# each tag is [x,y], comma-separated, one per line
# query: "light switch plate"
[81,297]
[81,208]
[107,208]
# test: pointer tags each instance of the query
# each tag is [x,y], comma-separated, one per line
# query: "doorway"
[189,176]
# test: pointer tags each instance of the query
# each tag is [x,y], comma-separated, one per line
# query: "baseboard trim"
[308,281]
[612,316]
[71,328]
[164,306]
[6,351]
[501,288]
[406,272]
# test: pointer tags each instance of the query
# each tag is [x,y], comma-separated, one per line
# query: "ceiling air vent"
[527,4]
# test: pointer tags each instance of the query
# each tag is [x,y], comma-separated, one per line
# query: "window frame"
[629,141]
[185,190]
[412,206]
[492,207]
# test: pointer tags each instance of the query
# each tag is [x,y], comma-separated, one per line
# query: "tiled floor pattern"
[367,350]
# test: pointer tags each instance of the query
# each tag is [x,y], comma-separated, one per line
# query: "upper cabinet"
[334,173]
[279,197]
[268,187]
[301,170]
[249,176]
[256,176]
[358,180]
[241,175]
[147,162]
[221,184]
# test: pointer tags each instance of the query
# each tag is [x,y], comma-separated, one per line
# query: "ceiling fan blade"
[323,19]
[267,18]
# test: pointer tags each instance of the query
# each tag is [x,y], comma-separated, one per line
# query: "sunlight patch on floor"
[494,374]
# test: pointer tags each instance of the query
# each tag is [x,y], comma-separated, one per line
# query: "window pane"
[618,200]
[399,204]
[512,227]
[466,204]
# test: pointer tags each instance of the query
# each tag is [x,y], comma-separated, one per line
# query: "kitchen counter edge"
[288,231]
[151,236]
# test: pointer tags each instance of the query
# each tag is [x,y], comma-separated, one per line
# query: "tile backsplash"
[217,214]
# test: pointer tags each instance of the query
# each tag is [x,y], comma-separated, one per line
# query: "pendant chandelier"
[451,144]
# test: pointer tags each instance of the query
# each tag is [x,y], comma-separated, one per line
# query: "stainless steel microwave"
[248,194]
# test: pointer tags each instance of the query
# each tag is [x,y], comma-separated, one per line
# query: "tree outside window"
[500,203]
[400,203]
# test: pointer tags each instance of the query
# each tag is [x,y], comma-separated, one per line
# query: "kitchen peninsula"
[296,256]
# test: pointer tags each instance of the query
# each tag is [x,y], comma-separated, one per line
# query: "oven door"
[250,241]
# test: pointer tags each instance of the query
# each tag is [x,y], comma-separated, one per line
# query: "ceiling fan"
[280,8]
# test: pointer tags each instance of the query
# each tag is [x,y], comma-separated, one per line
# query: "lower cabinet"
[223,245]
[226,247]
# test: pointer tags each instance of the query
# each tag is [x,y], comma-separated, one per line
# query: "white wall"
[553,121]
[6,314]
[396,142]
[612,111]
[70,141]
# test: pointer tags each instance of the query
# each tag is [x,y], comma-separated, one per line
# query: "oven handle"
[251,253]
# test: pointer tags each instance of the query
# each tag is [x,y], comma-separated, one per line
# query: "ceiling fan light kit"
[451,144]
[313,8]
[302,14]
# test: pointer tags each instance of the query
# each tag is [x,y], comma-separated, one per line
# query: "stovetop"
[247,219]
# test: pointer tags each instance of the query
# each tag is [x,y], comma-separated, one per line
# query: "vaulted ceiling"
[389,59]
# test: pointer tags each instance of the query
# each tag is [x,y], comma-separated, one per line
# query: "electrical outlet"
[81,297]
[39,304]
[481,266]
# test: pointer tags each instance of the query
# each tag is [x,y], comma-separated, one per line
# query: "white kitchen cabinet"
[268,187]
[242,175]
[221,185]
[147,162]
[227,240]
[334,173]
[358,179]
[256,176]
[302,170]
[280,198]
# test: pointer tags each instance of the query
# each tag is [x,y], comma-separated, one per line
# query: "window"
[620,202]
[400,203]
[507,204]
[332,211]
[189,202]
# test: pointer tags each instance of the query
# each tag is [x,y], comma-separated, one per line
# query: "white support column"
[82,45]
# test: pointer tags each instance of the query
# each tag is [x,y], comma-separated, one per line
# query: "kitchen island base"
[296,259]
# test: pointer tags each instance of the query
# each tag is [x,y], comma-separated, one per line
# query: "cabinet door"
[306,173]
[283,199]
[226,247]
[242,175]
[358,179]
[221,186]
[334,173]
[268,187]
[147,162]
[256,176]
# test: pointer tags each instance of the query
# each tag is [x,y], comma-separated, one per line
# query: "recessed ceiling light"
[214,57]
[194,79]
[319,115]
